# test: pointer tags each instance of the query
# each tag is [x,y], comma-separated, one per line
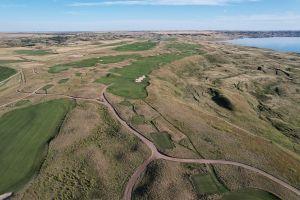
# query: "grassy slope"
[24,135]
[138,46]
[91,62]
[6,72]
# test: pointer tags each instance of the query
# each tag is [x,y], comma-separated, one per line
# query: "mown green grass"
[249,194]
[62,81]
[205,184]
[123,79]
[6,72]
[138,46]
[162,140]
[24,135]
[138,119]
[91,62]
[34,52]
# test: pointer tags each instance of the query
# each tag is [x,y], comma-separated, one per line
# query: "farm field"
[147,115]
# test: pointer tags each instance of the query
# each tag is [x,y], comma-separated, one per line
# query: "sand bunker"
[140,79]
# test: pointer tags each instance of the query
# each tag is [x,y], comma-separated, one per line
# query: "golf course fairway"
[24,136]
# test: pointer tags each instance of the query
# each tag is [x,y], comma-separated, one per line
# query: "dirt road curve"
[157,155]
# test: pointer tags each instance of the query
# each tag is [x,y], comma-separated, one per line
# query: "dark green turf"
[6,72]
[162,140]
[24,135]
[138,119]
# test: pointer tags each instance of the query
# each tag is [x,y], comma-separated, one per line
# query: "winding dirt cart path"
[155,154]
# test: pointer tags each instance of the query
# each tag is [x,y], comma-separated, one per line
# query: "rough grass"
[138,46]
[24,136]
[205,184]
[91,62]
[6,72]
[123,79]
[249,194]
[34,52]
[162,140]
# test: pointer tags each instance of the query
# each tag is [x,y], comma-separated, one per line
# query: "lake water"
[284,44]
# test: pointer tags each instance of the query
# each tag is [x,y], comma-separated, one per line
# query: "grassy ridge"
[6,72]
[91,62]
[24,134]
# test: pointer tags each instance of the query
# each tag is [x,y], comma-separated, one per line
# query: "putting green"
[6,72]
[162,140]
[250,194]
[24,135]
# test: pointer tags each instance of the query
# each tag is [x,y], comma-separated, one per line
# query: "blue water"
[284,44]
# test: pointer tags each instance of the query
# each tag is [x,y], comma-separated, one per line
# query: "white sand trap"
[139,80]
[5,196]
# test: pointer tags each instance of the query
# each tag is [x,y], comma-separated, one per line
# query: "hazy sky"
[106,15]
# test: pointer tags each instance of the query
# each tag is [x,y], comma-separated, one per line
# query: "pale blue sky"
[110,15]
